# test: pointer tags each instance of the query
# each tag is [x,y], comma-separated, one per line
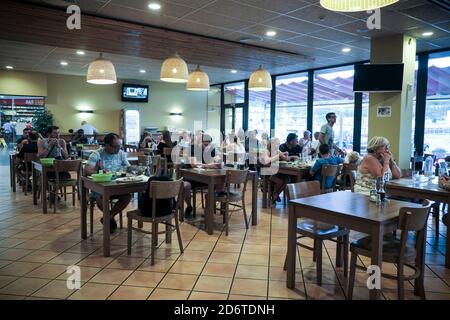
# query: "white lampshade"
[101,71]
[174,70]
[355,5]
[198,80]
[260,80]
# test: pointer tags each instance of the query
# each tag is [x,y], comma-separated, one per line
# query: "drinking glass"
[416,176]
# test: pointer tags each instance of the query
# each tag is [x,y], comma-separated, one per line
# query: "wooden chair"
[169,165]
[56,185]
[329,170]
[92,202]
[319,231]
[398,251]
[233,197]
[159,190]
[24,176]
[348,177]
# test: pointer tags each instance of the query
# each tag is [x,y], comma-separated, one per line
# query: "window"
[234,93]
[437,116]
[333,92]
[259,111]
[214,108]
[291,105]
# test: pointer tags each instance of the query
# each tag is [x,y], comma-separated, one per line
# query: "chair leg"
[121,220]
[245,213]
[318,249]
[226,218]
[346,250]
[65,194]
[73,196]
[194,203]
[154,241]
[169,232]
[436,220]
[202,197]
[91,216]
[400,282]
[180,242]
[129,235]
[339,252]
[351,278]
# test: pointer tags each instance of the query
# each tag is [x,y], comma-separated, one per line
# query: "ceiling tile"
[319,15]
[398,22]
[239,11]
[89,6]
[311,42]
[260,31]
[217,21]
[428,12]
[136,15]
[442,43]
[283,7]
[292,25]
[198,28]
[167,9]
[335,35]
[196,4]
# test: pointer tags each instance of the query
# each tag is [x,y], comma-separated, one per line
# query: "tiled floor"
[36,249]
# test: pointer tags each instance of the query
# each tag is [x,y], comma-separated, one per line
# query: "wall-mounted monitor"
[134,92]
[378,77]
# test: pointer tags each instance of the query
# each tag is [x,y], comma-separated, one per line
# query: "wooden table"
[106,190]
[346,209]
[298,172]
[44,170]
[406,187]
[213,177]
[12,170]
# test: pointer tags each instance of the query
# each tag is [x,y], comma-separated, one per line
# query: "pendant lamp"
[260,80]
[198,80]
[101,71]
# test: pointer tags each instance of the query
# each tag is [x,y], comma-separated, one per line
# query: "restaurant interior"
[224,150]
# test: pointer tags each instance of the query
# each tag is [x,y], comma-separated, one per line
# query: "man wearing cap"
[291,146]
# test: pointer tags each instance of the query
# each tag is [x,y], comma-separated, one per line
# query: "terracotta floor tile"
[252,272]
[324,292]
[191,255]
[213,284]
[278,289]
[47,271]
[167,294]
[11,297]
[93,291]
[249,287]
[207,296]
[144,279]
[254,259]
[201,245]
[111,276]
[224,257]
[56,289]
[123,262]
[23,286]
[244,297]
[228,247]
[187,267]
[41,256]
[18,268]
[96,261]
[219,269]
[86,273]
[14,254]
[131,293]
[178,281]
[4,280]
[159,266]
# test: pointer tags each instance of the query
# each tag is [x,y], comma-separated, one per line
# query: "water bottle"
[373,196]
[428,168]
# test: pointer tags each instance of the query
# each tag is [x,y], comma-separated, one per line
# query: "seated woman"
[147,140]
[272,155]
[377,162]
[165,142]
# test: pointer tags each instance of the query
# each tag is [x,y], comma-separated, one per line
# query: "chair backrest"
[330,170]
[67,165]
[30,157]
[349,171]
[236,177]
[134,154]
[303,189]
[166,190]
[413,219]
[167,152]
[156,165]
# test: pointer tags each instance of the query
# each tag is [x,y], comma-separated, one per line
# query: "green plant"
[42,122]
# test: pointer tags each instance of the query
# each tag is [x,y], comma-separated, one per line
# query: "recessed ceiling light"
[154,6]
[9,67]
[427,34]
[346,49]
[142,71]
[233,71]
[80,52]
[271,33]
[63,63]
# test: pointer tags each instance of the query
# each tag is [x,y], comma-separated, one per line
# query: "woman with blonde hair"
[378,161]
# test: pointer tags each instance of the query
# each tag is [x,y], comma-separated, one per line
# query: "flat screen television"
[378,77]
[134,92]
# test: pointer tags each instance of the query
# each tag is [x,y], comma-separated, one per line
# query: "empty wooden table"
[106,190]
[407,188]
[345,209]
[213,177]
[299,172]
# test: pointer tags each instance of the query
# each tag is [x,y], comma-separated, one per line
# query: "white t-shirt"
[87,128]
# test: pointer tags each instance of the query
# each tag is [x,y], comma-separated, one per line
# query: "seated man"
[29,147]
[291,146]
[110,157]
[326,158]
[79,138]
[24,139]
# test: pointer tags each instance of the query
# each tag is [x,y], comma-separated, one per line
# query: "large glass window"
[214,108]
[259,111]
[234,93]
[437,116]
[333,92]
[291,105]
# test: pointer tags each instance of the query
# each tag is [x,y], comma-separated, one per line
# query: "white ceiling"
[302,26]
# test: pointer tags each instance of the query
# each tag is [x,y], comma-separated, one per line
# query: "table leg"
[83,211]
[106,226]
[10,171]
[255,199]
[209,217]
[13,178]
[376,259]
[265,182]
[44,184]
[446,220]
[291,248]
[34,184]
